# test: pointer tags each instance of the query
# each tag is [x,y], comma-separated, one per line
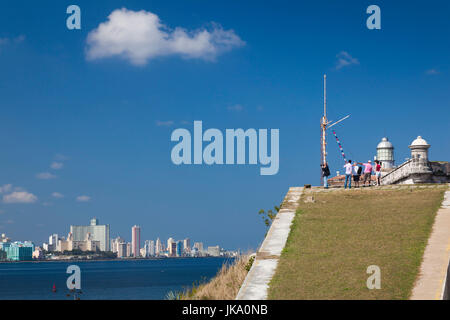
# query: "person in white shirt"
[348,174]
[356,174]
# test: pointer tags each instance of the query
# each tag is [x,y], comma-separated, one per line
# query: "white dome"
[419,142]
[385,144]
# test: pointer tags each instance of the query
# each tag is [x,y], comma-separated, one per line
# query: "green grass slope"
[334,239]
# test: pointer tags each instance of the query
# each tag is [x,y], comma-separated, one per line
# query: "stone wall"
[418,171]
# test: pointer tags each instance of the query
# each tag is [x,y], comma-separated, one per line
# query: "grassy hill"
[335,238]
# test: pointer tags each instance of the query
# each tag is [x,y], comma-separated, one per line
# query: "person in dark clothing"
[325,174]
[356,174]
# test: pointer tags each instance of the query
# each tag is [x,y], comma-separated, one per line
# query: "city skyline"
[96,238]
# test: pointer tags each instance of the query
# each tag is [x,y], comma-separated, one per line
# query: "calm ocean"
[118,279]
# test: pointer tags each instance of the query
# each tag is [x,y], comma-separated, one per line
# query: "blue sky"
[107,118]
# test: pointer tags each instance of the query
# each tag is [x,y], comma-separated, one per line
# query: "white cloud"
[83,198]
[19,197]
[344,59]
[432,72]
[56,165]
[236,107]
[61,157]
[45,176]
[57,195]
[164,123]
[18,39]
[5,188]
[139,36]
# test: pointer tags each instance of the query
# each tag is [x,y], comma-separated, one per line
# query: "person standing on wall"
[378,172]
[367,171]
[356,174]
[348,174]
[325,174]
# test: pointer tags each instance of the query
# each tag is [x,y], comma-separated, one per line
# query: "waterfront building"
[199,246]
[135,241]
[214,251]
[97,231]
[158,247]
[38,254]
[2,255]
[173,249]
[151,249]
[128,249]
[69,244]
[115,243]
[122,250]
[145,249]
[179,248]
[19,251]
[194,252]
[52,242]
[4,238]
[187,245]
[169,243]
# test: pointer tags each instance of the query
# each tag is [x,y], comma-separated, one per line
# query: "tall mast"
[324,121]
[325,124]
[325,96]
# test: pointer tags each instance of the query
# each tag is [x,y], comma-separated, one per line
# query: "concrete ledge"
[257,281]
[431,283]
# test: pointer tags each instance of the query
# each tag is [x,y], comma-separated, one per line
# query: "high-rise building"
[198,246]
[214,251]
[4,238]
[179,248]
[69,244]
[173,249]
[149,247]
[115,243]
[187,245]
[146,248]
[52,242]
[128,249]
[136,241]
[169,243]
[158,248]
[18,251]
[151,250]
[122,250]
[98,233]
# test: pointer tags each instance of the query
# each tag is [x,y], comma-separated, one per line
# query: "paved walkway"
[433,271]
[257,281]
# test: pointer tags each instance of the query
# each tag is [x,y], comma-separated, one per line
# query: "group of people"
[355,171]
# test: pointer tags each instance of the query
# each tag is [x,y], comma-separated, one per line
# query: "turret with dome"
[419,149]
[385,153]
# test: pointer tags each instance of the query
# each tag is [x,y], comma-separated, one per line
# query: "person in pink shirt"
[367,171]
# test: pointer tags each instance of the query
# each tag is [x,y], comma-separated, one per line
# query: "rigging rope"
[340,146]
